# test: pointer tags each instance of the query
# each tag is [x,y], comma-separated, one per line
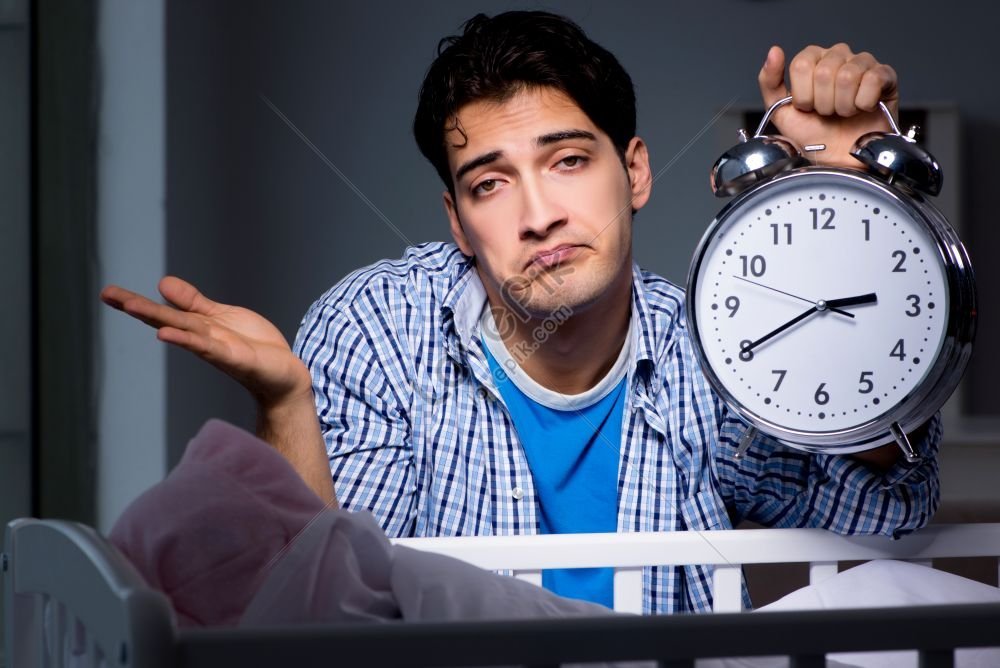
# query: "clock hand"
[870,298]
[789,294]
[794,321]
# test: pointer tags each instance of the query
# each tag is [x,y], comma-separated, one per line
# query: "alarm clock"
[832,309]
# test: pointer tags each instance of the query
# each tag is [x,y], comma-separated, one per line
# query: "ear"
[639,173]
[457,233]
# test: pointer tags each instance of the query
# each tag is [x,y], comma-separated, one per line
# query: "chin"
[574,295]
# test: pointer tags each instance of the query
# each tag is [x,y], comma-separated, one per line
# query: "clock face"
[820,303]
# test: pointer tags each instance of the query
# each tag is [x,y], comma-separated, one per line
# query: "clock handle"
[898,159]
[904,443]
[745,441]
[754,159]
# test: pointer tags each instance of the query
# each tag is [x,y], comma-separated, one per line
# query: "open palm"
[236,340]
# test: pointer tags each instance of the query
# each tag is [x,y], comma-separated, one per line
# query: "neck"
[581,349]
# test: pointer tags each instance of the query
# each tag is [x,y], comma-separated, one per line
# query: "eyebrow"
[544,140]
[484,159]
[562,135]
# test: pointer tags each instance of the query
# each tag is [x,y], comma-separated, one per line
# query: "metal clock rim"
[939,381]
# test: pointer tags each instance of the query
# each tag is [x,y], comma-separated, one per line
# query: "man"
[529,377]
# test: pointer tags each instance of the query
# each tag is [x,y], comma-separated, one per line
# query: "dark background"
[255,217]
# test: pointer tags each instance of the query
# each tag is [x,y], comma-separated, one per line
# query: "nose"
[542,212]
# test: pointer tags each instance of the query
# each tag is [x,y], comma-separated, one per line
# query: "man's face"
[543,202]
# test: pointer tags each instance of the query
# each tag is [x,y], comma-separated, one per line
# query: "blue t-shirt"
[573,454]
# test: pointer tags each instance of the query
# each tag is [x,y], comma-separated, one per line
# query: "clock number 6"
[822,397]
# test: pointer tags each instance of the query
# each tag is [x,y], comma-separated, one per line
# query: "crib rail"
[673,641]
[727,551]
[65,575]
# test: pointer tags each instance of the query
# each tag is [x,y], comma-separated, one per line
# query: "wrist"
[287,407]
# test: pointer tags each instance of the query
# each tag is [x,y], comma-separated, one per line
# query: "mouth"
[554,256]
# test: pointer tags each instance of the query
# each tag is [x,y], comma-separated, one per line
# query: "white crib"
[62,573]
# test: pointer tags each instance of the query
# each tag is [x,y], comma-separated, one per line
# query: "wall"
[132,384]
[256,217]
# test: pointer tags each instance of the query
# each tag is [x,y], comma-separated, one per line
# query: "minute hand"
[794,321]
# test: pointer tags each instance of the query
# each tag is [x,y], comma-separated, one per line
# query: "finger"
[878,83]
[185,296]
[847,84]
[825,81]
[115,296]
[771,77]
[800,76]
[160,315]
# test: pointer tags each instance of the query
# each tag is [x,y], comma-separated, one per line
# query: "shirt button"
[517,493]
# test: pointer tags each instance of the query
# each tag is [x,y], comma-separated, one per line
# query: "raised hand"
[835,95]
[236,340]
[249,348]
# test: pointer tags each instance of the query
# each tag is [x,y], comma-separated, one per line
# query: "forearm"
[781,487]
[292,428]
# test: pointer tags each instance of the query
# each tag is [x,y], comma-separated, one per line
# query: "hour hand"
[870,298]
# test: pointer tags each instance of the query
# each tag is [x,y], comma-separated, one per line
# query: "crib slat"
[728,589]
[42,648]
[93,653]
[628,590]
[821,570]
[60,644]
[534,577]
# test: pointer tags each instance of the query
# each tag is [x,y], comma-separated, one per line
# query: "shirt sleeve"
[779,486]
[364,423]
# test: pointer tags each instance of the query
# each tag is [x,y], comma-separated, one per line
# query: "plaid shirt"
[416,431]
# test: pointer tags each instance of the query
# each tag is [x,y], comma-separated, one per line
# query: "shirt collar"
[464,301]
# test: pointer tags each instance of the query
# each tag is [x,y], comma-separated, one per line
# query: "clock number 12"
[827,224]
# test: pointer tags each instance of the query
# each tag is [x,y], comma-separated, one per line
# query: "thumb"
[771,78]
[185,296]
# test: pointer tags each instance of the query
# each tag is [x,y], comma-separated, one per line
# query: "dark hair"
[495,58]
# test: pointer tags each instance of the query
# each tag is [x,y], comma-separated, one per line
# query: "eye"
[573,161]
[484,187]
